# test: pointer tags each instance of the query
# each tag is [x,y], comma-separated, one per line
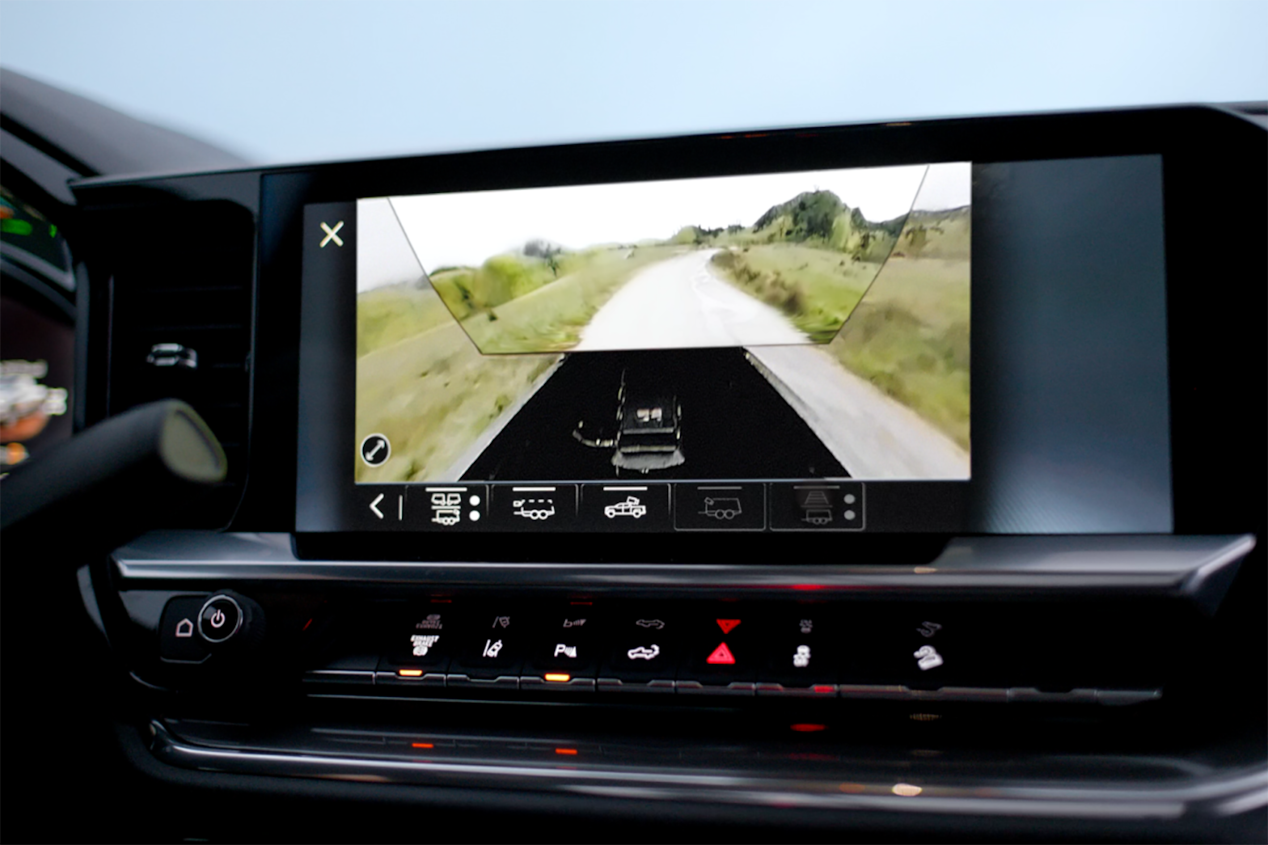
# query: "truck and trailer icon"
[721,507]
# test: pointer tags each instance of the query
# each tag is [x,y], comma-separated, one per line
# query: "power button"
[220,619]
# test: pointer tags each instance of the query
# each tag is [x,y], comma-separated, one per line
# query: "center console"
[687,468]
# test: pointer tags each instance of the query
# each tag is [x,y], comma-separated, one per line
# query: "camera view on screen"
[767,326]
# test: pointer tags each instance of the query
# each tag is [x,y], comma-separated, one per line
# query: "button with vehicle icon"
[449,507]
[827,505]
[623,508]
[720,507]
[630,506]
[533,507]
[643,652]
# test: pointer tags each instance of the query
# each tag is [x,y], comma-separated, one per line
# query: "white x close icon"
[332,234]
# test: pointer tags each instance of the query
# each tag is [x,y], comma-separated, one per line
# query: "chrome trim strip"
[1212,795]
[1118,697]
[1199,568]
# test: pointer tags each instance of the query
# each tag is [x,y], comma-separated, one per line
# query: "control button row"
[806,648]
[619,507]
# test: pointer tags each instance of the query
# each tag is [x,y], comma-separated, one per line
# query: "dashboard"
[904,479]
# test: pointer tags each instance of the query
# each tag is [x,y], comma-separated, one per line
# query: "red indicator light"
[807,586]
[807,727]
[422,745]
[410,673]
[306,624]
[721,656]
[558,677]
[728,625]
[568,751]
[823,689]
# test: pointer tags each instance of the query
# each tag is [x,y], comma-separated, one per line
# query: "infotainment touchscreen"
[757,352]
[587,344]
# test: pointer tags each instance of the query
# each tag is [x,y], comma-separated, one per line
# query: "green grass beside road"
[433,395]
[909,336]
[511,304]
[551,316]
[815,288]
[392,313]
[422,381]
[907,330]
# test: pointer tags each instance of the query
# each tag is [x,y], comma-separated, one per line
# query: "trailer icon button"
[720,507]
[827,505]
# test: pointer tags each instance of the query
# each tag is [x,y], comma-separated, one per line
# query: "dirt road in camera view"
[680,303]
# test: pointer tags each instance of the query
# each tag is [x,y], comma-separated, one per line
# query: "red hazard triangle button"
[721,655]
[727,625]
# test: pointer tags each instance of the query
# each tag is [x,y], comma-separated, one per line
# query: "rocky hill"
[821,218]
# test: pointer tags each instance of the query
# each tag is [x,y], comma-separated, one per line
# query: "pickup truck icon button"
[631,507]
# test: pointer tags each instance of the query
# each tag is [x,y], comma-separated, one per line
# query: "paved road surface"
[678,303]
[873,435]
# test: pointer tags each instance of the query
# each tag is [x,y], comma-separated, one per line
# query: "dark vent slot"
[181,311]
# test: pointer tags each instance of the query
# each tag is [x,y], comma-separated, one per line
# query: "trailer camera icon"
[721,508]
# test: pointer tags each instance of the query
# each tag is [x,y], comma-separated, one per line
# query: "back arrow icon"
[377,512]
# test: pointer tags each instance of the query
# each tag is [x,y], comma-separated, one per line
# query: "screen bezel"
[1186,139]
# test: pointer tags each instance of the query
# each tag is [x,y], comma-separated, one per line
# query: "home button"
[178,640]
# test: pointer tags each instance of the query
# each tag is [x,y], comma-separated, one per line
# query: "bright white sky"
[384,256]
[946,186]
[288,81]
[467,229]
